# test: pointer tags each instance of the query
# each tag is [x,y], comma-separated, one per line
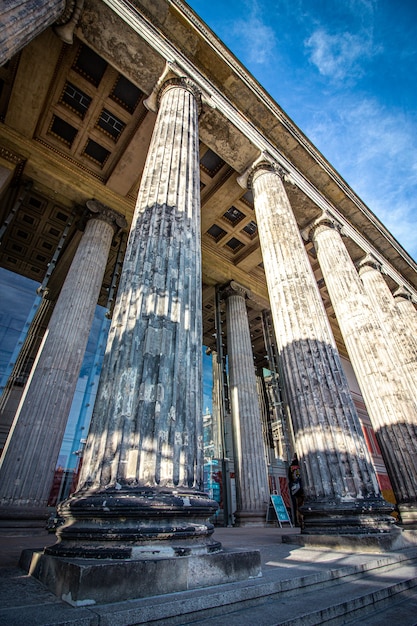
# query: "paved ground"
[23,595]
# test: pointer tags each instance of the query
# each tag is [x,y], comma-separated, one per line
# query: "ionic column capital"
[264,162]
[172,77]
[235,289]
[403,293]
[324,222]
[65,25]
[102,212]
[368,262]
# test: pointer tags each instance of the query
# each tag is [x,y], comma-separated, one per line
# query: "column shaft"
[151,382]
[407,312]
[143,465]
[22,21]
[252,491]
[32,448]
[342,494]
[390,407]
[402,347]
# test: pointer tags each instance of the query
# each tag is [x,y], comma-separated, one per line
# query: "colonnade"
[141,485]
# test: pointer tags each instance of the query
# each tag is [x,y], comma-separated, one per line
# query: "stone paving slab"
[23,600]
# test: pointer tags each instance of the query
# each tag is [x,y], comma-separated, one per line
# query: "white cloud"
[375,150]
[257,39]
[341,55]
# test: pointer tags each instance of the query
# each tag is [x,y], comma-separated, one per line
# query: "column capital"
[403,293]
[185,83]
[368,262]
[172,76]
[235,289]
[264,162]
[100,211]
[323,222]
[65,25]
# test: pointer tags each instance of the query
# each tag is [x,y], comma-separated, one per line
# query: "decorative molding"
[65,25]
[264,162]
[172,76]
[369,262]
[105,213]
[235,289]
[323,222]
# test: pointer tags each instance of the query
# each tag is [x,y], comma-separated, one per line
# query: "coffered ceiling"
[74,126]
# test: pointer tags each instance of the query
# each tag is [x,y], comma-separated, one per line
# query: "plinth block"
[84,582]
[360,542]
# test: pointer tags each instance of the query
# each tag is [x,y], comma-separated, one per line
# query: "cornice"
[215,43]
[141,24]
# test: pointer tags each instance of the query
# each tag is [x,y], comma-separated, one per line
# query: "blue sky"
[345,72]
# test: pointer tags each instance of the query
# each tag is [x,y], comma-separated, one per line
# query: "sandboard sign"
[280,509]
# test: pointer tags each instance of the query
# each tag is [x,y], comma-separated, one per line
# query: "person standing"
[296,490]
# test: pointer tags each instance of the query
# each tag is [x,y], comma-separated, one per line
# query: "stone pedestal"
[85,582]
[340,486]
[389,403]
[31,452]
[252,491]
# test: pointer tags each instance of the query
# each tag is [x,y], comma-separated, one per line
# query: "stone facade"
[133,116]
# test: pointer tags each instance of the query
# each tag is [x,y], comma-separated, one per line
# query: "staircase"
[363,593]
[299,586]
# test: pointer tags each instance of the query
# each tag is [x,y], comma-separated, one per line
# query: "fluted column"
[341,490]
[252,491]
[407,311]
[217,406]
[402,347]
[389,404]
[23,20]
[31,451]
[139,492]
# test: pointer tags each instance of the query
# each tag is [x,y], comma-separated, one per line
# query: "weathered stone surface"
[402,346]
[407,311]
[336,469]
[389,403]
[32,449]
[85,582]
[143,464]
[20,27]
[252,490]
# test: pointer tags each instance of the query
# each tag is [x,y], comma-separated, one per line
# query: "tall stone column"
[341,490]
[252,491]
[31,451]
[407,311]
[23,21]
[389,403]
[140,489]
[402,347]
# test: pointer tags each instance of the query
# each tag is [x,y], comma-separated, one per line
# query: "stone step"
[332,605]
[402,607]
[328,596]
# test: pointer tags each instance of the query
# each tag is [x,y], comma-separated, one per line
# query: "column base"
[20,519]
[250,518]
[84,582]
[350,517]
[135,523]
[408,514]
[358,542]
